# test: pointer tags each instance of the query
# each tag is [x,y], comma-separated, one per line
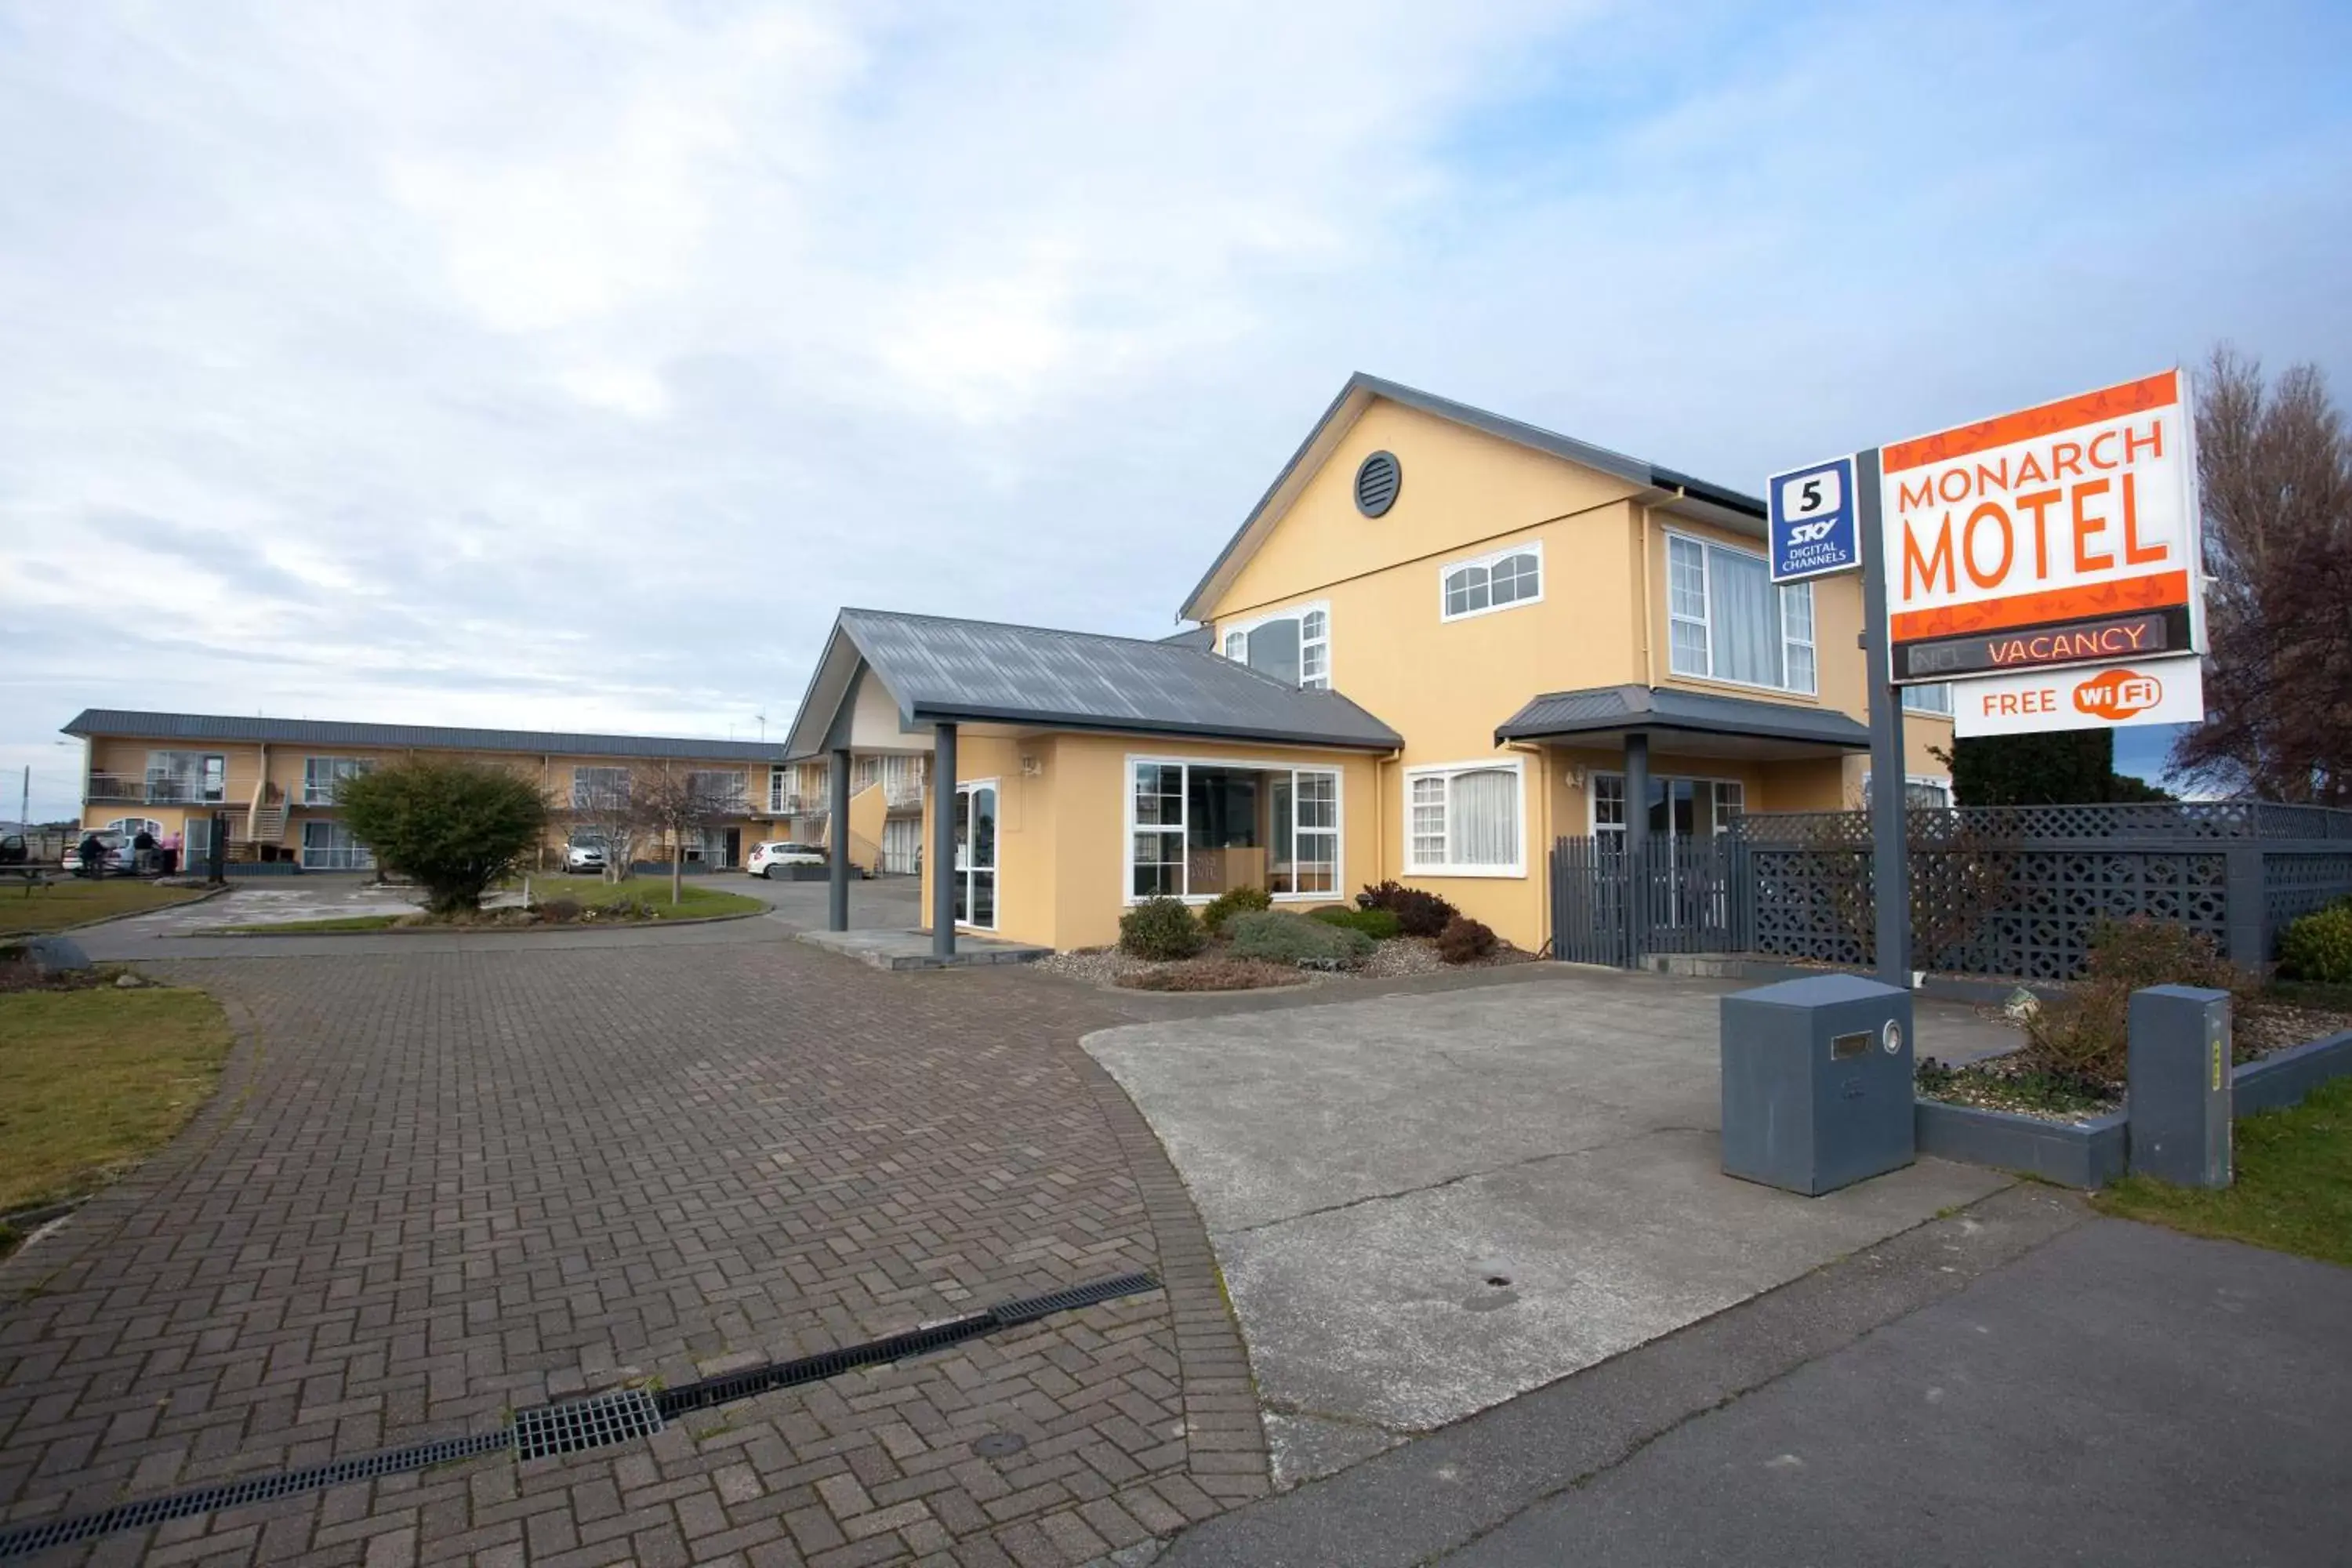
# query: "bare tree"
[608,804]
[676,805]
[2274,464]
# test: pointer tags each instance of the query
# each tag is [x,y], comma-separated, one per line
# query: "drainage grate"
[1006,1314]
[25,1540]
[546,1430]
[729,1387]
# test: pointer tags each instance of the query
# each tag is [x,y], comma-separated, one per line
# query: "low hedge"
[1418,913]
[1279,936]
[1226,906]
[1380,925]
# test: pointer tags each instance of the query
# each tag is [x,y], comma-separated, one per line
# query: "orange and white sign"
[2141,692]
[2059,535]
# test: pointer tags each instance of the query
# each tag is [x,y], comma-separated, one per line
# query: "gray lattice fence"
[2019,890]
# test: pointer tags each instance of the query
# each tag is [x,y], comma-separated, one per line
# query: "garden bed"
[1215,969]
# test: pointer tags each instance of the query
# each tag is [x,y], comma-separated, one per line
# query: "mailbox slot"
[1845,1047]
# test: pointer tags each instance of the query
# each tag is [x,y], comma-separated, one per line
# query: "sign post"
[1827,518]
[1890,847]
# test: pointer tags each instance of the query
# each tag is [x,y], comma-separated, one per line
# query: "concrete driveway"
[1426,1204]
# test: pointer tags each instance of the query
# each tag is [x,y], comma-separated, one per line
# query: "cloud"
[565,364]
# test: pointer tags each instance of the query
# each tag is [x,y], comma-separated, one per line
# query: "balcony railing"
[155,789]
[902,791]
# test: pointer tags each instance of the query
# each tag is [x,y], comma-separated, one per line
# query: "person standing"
[93,855]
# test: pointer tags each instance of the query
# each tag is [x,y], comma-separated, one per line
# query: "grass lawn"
[2293,1188]
[698,902]
[71,900]
[92,1081]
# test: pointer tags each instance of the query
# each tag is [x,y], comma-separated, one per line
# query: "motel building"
[1442,640]
[271,783]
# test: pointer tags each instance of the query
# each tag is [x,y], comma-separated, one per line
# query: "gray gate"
[1682,896]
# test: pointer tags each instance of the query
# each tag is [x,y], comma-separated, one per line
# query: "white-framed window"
[719,789]
[1501,581]
[1921,792]
[1936,699]
[321,776]
[779,790]
[1727,621]
[329,845]
[1466,819]
[1294,645]
[595,787]
[1198,827]
[187,777]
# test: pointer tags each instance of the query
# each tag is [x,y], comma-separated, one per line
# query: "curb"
[234,934]
[206,897]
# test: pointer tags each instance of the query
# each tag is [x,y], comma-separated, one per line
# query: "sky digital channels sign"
[2061,535]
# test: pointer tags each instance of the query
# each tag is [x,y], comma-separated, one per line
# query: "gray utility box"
[1817,1083]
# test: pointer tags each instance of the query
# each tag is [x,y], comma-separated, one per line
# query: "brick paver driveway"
[439,1185]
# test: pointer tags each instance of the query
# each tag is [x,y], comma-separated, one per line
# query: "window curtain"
[1745,616]
[1485,817]
[1273,650]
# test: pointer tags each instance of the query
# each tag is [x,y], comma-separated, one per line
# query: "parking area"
[440,1184]
[1425,1204]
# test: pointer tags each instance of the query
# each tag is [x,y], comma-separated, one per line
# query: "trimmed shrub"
[1161,929]
[1279,936]
[1464,941]
[1418,913]
[457,827]
[562,911]
[1226,906]
[2319,945]
[1380,925]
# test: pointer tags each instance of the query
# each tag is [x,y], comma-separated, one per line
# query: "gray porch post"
[1890,826]
[836,895]
[943,826]
[1637,844]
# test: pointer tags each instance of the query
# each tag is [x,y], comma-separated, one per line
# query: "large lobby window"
[1198,829]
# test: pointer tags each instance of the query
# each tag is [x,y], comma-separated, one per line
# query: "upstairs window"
[321,776]
[1936,698]
[719,789]
[1294,646]
[1727,621]
[1497,582]
[599,789]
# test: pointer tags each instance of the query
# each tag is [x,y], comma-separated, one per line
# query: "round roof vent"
[1378,479]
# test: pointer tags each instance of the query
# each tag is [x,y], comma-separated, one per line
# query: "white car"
[772,860]
[585,855]
[119,859]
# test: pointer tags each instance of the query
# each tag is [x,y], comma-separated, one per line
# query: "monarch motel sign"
[2062,535]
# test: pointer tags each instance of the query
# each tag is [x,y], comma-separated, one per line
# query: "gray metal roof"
[345,732]
[1611,708]
[1192,637]
[983,671]
[1360,392]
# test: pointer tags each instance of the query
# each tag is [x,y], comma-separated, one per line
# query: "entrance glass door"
[975,855]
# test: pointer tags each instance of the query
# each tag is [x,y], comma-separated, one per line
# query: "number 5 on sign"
[1812,521]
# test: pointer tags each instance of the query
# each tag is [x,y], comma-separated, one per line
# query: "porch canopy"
[1691,723]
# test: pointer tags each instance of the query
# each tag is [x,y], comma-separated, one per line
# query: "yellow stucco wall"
[1062,869]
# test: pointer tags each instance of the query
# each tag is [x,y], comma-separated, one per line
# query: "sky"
[566,365]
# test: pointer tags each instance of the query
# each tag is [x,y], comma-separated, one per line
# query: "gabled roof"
[1358,395]
[939,670]
[1604,709]
[343,732]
